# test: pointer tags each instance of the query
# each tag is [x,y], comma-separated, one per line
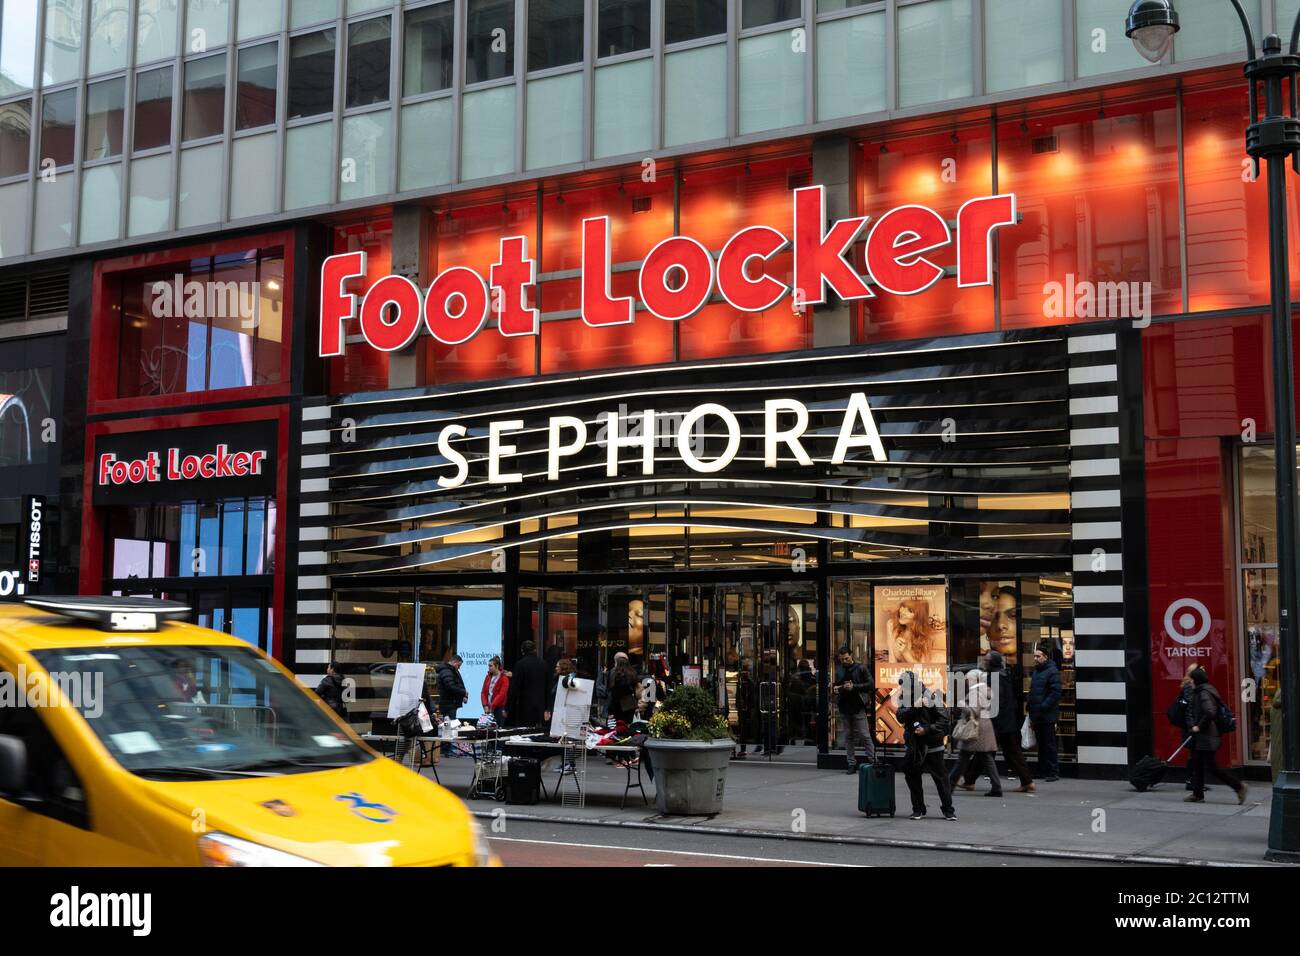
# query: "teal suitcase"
[876,789]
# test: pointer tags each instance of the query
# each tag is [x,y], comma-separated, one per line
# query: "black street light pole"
[1274,137]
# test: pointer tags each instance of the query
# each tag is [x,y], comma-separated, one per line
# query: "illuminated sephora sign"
[678,276]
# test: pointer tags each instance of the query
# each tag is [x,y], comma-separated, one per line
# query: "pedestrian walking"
[924,726]
[855,694]
[976,753]
[496,690]
[1205,709]
[623,689]
[1006,719]
[1045,711]
[526,696]
[330,690]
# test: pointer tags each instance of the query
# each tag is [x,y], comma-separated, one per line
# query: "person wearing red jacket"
[496,685]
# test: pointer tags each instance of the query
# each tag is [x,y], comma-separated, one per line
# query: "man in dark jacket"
[1006,719]
[855,699]
[924,727]
[1204,719]
[451,688]
[330,690]
[526,699]
[1045,711]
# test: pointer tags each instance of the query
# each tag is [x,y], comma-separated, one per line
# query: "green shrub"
[689,713]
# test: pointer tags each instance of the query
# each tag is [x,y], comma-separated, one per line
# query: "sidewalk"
[1084,819]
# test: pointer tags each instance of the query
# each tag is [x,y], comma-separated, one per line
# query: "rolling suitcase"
[876,789]
[524,783]
[1149,771]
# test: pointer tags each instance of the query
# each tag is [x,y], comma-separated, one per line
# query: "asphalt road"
[536,843]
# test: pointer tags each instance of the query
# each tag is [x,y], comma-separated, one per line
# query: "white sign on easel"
[572,708]
[407,690]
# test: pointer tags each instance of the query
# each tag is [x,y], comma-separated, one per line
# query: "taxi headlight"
[482,852]
[222,849]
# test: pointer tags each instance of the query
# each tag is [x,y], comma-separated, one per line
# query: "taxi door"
[22,834]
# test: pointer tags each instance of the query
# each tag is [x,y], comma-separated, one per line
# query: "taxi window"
[202,712]
[50,777]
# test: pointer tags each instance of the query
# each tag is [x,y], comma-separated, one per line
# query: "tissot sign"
[189,463]
[678,276]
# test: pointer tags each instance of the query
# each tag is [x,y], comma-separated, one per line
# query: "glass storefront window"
[941,169]
[1071,241]
[189,539]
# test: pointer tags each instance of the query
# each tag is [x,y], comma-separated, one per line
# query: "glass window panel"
[254,539]
[311,74]
[110,25]
[489,40]
[1258,506]
[771,83]
[13,219]
[54,201]
[200,197]
[306,148]
[912,171]
[426,144]
[471,236]
[695,95]
[17,47]
[622,109]
[1099,41]
[692,19]
[365,6]
[1211,27]
[256,89]
[62,40]
[831,6]
[204,107]
[210,547]
[487,132]
[934,51]
[15,137]
[555,32]
[428,40]
[757,13]
[306,12]
[207,25]
[268,349]
[59,127]
[155,30]
[151,188]
[257,18]
[717,203]
[101,202]
[1022,44]
[153,108]
[554,121]
[105,103]
[369,54]
[851,66]
[1129,159]
[252,161]
[623,26]
[368,141]
[230,355]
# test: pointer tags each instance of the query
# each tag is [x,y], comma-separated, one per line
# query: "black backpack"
[1224,720]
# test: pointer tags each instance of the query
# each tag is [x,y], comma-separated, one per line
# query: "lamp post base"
[1284,821]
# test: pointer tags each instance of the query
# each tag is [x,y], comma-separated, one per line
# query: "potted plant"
[690,745]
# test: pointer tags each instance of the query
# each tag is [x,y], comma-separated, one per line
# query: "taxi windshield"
[193,713]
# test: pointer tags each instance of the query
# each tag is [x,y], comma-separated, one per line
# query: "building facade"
[725,333]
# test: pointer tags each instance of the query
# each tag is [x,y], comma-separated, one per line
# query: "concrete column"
[410,259]
[832,167]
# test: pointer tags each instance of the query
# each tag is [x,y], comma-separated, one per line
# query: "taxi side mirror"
[13,765]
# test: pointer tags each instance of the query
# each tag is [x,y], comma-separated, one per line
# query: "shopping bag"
[1027,739]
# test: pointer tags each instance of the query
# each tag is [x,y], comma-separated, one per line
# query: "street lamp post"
[1274,137]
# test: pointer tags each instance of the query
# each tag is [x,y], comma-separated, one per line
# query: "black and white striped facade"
[1038,418]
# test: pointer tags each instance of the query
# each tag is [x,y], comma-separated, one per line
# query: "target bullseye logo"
[1187,621]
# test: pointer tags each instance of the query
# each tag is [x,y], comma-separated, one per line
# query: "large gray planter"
[689,775]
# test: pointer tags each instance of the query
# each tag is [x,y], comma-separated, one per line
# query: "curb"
[1134,859]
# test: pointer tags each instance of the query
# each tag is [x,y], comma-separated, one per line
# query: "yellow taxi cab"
[128,737]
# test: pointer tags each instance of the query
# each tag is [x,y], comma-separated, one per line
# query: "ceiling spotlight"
[883,148]
[954,138]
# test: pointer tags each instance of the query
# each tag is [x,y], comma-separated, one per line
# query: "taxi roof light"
[134,614]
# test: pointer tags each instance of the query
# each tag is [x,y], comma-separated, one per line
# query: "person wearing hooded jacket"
[976,756]
[1203,713]
[924,727]
[451,688]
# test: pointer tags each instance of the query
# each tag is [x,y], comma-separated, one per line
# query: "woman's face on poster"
[1003,631]
[988,603]
[905,615]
